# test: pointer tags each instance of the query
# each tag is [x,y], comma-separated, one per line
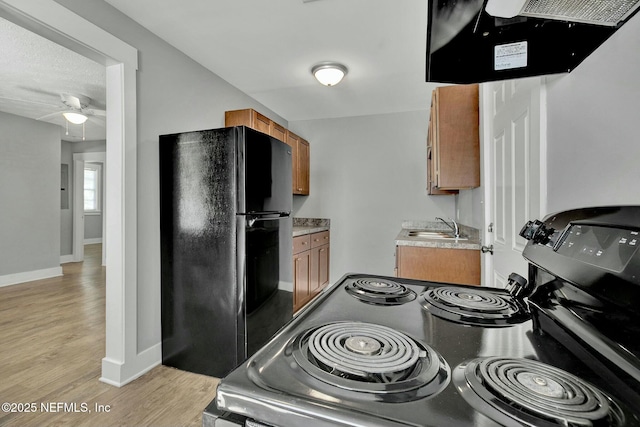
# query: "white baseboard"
[119,374]
[66,258]
[93,241]
[28,276]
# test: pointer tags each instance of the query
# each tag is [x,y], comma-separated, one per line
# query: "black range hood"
[465,44]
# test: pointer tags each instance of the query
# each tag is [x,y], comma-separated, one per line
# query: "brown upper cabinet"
[301,159]
[453,140]
[278,132]
[250,118]
[299,146]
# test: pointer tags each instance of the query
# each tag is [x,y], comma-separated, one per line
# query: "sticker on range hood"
[512,55]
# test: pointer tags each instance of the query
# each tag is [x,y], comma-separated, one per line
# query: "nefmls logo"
[64,407]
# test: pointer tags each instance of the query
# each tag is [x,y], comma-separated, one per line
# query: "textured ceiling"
[34,72]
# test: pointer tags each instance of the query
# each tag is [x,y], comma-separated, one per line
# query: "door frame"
[122,362]
[79,159]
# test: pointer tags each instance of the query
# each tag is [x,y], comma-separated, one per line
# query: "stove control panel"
[537,232]
[601,246]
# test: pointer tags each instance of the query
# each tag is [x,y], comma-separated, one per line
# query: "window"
[92,190]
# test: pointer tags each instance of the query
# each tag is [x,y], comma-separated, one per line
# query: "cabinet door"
[458,137]
[261,123]
[460,266]
[293,141]
[314,272]
[435,138]
[319,269]
[319,261]
[323,266]
[432,152]
[278,132]
[453,143]
[303,168]
[302,276]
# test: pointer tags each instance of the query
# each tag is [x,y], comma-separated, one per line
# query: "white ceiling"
[34,72]
[264,48]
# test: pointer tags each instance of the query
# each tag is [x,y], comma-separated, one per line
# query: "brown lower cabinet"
[310,267]
[459,266]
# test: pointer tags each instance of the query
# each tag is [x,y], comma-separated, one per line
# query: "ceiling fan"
[78,111]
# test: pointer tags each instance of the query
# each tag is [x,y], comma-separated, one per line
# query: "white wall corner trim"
[118,374]
[122,362]
[64,259]
[28,276]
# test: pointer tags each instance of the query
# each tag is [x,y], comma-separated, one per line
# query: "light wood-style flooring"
[52,340]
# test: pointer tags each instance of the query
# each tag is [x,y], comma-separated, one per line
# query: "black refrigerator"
[226,246]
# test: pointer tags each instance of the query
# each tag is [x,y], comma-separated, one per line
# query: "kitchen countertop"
[303,226]
[301,231]
[472,235]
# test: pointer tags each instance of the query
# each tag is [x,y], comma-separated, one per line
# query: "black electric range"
[556,349]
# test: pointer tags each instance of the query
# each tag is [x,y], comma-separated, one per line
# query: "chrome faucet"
[454,227]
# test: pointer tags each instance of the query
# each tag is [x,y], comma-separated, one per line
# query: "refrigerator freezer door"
[264,173]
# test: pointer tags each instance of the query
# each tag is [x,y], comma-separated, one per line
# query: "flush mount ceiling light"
[75,118]
[329,73]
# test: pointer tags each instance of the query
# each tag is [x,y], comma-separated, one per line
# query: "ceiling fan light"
[329,74]
[75,118]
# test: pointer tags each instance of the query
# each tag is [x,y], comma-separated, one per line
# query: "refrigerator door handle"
[265,216]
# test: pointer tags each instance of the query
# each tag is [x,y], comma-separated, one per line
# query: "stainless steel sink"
[434,235]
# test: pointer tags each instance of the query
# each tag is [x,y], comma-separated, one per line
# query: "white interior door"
[514,171]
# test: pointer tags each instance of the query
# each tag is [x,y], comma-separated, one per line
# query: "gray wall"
[92,227]
[367,175]
[594,127]
[175,94]
[29,195]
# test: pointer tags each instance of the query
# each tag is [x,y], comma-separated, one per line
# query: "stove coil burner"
[533,392]
[471,306]
[380,291]
[370,358]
